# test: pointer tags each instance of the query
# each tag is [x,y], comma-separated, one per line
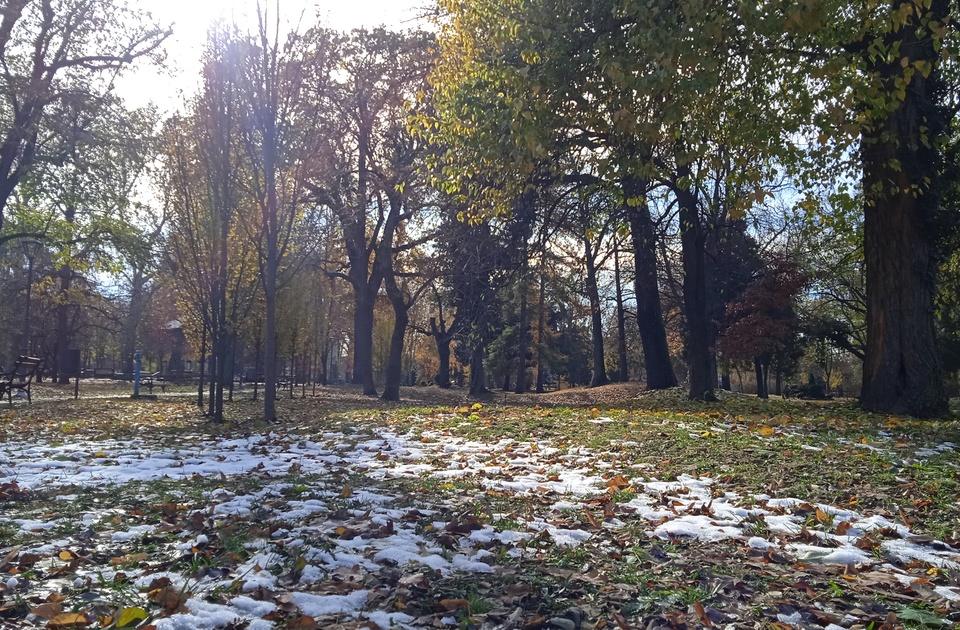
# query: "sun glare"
[191,19]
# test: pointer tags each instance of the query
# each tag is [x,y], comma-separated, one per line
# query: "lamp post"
[30,248]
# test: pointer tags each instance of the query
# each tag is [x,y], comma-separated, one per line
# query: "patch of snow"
[316,605]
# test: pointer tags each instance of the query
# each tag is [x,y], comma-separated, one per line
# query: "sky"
[190,20]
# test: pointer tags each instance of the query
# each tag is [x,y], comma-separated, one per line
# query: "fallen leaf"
[131,616]
[66,621]
[48,610]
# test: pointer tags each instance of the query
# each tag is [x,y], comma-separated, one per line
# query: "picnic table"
[20,378]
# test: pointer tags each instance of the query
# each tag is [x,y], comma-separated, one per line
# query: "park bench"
[20,378]
[149,380]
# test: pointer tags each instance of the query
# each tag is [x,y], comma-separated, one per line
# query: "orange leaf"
[702,614]
[48,610]
[617,482]
[67,621]
[455,604]
[593,521]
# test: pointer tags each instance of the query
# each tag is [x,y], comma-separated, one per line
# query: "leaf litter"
[497,517]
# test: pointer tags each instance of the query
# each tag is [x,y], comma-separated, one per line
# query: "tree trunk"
[63,324]
[203,360]
[541,331]
[902,168]
[622,366]
[442,377]
[132,323]
[761,379]
[270,303]
[477,376]
[391,385]
[363,340]
[523,342]
[653,335]
[596,319]
[692,244]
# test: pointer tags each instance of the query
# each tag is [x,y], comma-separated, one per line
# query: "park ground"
[583,509]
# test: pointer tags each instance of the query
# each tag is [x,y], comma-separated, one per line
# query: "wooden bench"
[20,378]
[149,380]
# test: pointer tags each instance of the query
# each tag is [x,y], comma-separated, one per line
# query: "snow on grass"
[363,530]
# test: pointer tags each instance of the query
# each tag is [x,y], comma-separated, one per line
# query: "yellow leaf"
[767,430]
[65,555]
[131,616]
[476,407]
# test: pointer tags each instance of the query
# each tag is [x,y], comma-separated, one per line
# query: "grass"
[828,454]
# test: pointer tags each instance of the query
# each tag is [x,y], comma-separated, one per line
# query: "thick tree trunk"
[692,244]
[363,340]
[902,372]
[442,377]
[599,376]
[391,385]
[653,335]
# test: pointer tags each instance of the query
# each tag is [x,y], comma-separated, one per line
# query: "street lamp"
[31,247]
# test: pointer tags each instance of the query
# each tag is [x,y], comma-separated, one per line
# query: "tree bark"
[692,243]
[599,376]
[761,378]
[391,385]
[63,324]
[902,168]
[363,341]
[541,331]
[477,375]
[132,324]
[653,335]
[622,365]
[442,338]
[523,342]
